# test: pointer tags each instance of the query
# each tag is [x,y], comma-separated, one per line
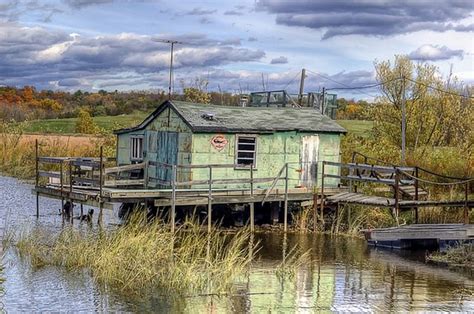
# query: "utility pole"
[172,43]
[300,96]
[323,100]
[404,122]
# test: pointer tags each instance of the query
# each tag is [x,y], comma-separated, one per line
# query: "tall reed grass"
[17,149]
[140,256]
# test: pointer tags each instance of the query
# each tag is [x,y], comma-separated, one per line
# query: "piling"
[173,198]
[285,218]
[322,194]
[37,177]
[252,204]
[101,169]
[209,202]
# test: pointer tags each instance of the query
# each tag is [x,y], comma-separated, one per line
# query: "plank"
[124,182]
[50,174]
[125,168]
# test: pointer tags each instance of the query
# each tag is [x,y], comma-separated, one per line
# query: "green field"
[67,126]
[358,127]
[110,123]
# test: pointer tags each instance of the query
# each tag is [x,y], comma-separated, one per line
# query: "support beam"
[37,176]
[466,205]
[252,204]
[416,193]
[322,193]
[173,198]
[285,218]
[209,202]
[101,179]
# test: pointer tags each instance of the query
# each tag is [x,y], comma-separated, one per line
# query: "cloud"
[12,10]
[233,12]
[435,53]
[200,11]
[279,60]
[79,4]
[252,38]
[371,17]
[46,57]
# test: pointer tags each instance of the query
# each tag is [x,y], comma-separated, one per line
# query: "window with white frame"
[136,148]
[246,150]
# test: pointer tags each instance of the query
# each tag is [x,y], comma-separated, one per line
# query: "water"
[342,275]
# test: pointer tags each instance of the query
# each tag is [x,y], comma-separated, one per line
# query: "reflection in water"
[342,274]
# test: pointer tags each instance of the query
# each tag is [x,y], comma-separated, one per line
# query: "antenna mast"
[172,43]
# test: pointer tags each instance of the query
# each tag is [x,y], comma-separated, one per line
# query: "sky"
[235,45]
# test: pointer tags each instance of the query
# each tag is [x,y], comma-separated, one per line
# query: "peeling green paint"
[273,151]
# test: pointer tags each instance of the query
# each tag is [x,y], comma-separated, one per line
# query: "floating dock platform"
[421,236]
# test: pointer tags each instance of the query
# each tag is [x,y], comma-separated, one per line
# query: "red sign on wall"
[219,142]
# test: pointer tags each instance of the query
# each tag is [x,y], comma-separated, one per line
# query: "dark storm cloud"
[279,60]
[371,17]
[39,56]
[435,53]
[79,4]
[200,11]
[233,12]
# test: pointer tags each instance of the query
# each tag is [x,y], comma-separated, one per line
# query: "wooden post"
[70,190]
[173,198]
[416,193]
[285,218]
[252,204]
[209,202]
[61,184]
[37,176]
[466,208]
[397,183]
[322,194]
[145,175]
[315,207]
[100,183]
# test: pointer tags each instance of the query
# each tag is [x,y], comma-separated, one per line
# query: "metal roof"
[211,118]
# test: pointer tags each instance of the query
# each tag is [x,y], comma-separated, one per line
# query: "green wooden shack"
[261,138]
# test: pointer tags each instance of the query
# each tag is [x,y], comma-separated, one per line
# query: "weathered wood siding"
[273,151]
[167,139]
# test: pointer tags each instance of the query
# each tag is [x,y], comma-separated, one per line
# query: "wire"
[439,89]
[365,86]
[334,81]
[292,80]
[436,183]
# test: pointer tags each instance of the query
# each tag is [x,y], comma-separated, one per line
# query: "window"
[136,148]
[246,150]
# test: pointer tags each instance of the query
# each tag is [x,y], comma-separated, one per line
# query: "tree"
[435,116]
[85,124]
[197,92]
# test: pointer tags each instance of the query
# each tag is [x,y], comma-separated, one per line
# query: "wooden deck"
[362,199]
[421,235]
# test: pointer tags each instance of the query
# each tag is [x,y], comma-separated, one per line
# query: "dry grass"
[139,256]
[17,150]
[462,255]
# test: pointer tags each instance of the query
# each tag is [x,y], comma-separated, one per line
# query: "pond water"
[342,274]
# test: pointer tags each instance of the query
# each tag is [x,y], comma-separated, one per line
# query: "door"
[167,152]
[309,160]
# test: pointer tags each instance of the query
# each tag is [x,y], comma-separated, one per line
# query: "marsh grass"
[140,256]
[292,261]
[462,255]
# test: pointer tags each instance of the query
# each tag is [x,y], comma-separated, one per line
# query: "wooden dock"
[408,186]
[421,236]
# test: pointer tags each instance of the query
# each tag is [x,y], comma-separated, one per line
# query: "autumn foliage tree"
[439,111]
[85,124]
